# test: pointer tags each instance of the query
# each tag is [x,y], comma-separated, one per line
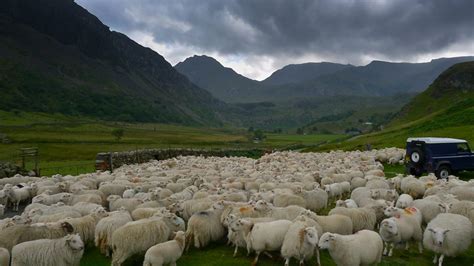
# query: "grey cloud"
[346,30]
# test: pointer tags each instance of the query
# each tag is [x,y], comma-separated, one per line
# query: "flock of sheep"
[273,204]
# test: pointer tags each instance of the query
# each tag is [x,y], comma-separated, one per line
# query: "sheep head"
[311,236]
[389,226]
[74,242]
[327,240]
[438,235]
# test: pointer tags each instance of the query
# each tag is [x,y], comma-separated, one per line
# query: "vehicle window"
[462,147]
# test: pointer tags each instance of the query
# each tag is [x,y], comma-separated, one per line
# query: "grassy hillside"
[56,57]
[70,140]
[445,109]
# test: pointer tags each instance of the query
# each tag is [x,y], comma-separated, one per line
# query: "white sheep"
[316,199]
[464,208]
[300,242]
[2,210]
[13,235]
[362,248]
[142,213]
[413,187]
[116,202]
[267,236]
[49,252]
[17,195]
[139,236]
[400,230]
[265,209]
[446,235]
[333,223]
[4,257]
[348,203]
[430,209]
[362,218]
[47,199]
[358,182]
[166,253]
[85,208]
[284,200]
[107,226]
[205,226]
[85,226]
[404,201]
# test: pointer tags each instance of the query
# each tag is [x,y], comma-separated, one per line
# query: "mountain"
[379,78]
[451,92]
[297,73]
[315,80]
[56,57]
[223,82]
[444,109]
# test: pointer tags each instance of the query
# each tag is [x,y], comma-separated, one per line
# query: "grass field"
[68,145]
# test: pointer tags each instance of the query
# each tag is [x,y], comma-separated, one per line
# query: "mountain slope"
[56,57]
[297,73]
[379,78]
[445,109]
[223,82]
[453,89]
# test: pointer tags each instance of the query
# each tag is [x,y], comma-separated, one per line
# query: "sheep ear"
[431,230]
[445,231]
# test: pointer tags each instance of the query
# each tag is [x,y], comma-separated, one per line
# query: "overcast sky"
[256,37]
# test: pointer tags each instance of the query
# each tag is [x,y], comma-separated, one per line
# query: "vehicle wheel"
[443,172]
[416,156]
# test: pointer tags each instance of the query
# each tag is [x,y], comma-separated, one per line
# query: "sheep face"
[326,241]
[311,236]
[34,212]
[389,226]
[218,205]
[375,194]
[74,242]
[229,219]
[438,235]
[66,197]
[113,198]
[261,205]
[340,203]
[174,220]
[391,211]
[445,207]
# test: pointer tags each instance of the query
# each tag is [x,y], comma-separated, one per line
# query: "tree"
[118,133]
[258,135]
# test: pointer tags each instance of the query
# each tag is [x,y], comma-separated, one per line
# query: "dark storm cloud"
[347,30]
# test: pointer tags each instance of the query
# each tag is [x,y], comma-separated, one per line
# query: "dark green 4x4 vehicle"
[442,156]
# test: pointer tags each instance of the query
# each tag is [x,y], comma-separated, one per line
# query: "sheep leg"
[435,258]
[420,247]
[254,263]
[268,254]
[302,262]
[440,262]
[392,245]
[385,249]
[235,250]
[287,261]
[407,245]
[318,259]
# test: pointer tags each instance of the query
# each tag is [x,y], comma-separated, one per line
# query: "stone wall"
[111,160]
[9,170]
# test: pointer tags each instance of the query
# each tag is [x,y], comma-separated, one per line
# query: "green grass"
[68,145]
